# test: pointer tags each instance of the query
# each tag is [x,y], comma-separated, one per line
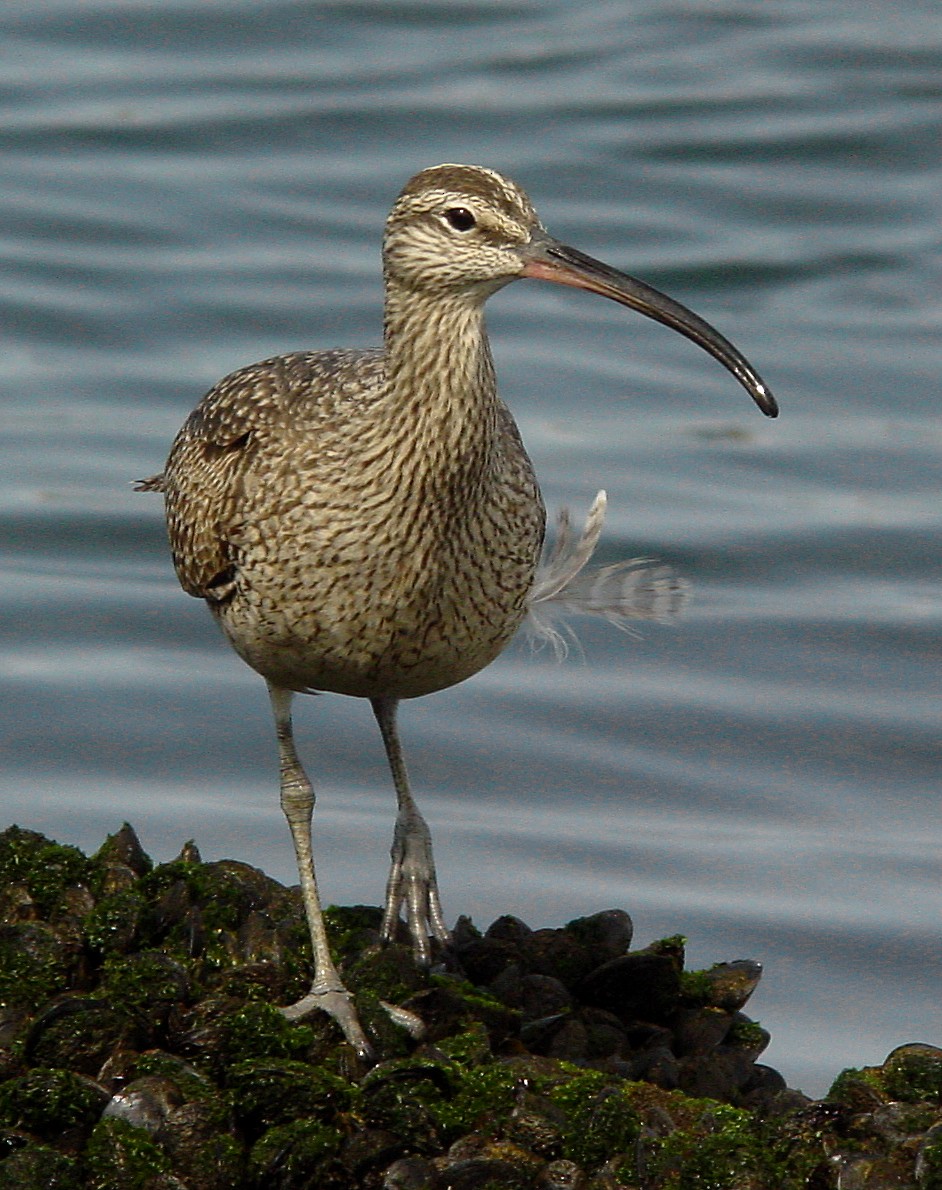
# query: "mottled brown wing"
[204,476]
[204,482]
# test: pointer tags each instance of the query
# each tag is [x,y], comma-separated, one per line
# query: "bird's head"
[458,229]
[463,232]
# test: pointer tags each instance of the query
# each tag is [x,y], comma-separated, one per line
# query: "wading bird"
[367,522]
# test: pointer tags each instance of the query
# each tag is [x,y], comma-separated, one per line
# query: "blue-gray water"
[192,185]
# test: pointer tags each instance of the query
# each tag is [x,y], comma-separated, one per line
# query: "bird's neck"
[442,394]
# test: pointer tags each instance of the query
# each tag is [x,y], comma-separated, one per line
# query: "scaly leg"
[412,881]
[297,800]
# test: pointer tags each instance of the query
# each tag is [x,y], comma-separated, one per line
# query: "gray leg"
[297,800]
[412,881]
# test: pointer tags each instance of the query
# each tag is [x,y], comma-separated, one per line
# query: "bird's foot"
[413,885]
[337,1002]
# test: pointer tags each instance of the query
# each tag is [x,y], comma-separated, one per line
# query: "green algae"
[48,1102]
[929,1161]
[113,926]
[192,1084]
[40,1168]
[484,1096]
[297,1154]
[600,1119]
[119,1156]
[34,964]
[199,1138]
[910,1074]
[190,958]
[75,1033]
[44,869]
[468,1048]
[256,1030]
[352,929]
[695,988]
[389,974]
[264,1092]
[147,985]
[913,1073]
[721,1151]
[748,1034]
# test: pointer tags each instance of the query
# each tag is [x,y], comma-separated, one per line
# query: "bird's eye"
[460,218]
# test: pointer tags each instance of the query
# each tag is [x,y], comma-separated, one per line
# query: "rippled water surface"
[190,186]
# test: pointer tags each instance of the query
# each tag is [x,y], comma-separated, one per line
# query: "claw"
[413,884]
[410,1021]
[337,1003]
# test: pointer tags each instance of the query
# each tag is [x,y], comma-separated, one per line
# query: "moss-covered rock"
[119,1156]
[50,1103]
[141,1046]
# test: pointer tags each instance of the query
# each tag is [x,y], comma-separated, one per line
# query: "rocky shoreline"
[140,1047]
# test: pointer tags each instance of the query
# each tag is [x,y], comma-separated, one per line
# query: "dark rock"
[509,929]
[748,1036]
[657,1065]
[40,1168]
[638,986]
[535,1132]
[536,996]
[563,1175]
[644,1036]
[411,1173]
[189,853]
[123,848]
[478,1163]
[145,1102]
[200,1140]
[14,1024]
[928,1165]
[17,906]
[560,954]
[368,1151]
[605,1034]
[606,935]
[722,1077]
[75,1033]
[454,1006]
[565,1038]
[914,1072]
[484,959]
[162,984]
[762,1087]
[699,1030]
[464,933]
[731,984]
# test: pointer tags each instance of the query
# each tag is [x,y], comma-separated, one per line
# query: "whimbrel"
[368,522]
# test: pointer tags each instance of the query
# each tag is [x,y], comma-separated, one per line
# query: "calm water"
[190,186]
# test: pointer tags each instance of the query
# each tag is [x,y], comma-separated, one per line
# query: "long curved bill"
[549,260]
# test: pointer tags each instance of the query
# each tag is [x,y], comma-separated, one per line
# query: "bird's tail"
[565,585]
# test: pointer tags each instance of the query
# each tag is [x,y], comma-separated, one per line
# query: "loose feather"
[622,593]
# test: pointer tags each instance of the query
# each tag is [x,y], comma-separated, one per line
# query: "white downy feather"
[622,593]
